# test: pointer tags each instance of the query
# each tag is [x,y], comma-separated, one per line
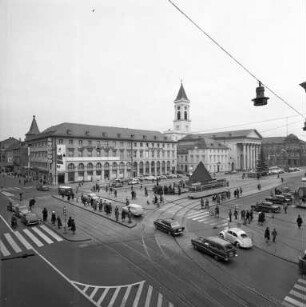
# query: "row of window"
[198,158]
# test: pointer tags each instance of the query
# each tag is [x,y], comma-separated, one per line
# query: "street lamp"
[303,85]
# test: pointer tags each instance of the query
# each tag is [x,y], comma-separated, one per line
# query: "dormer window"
[68,131]
[118,135]
[104,134]
[86,132]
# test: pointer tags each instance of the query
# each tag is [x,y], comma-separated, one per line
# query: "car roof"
[64,187]
[237,230]
[169,220]
[217,240]
[135,205]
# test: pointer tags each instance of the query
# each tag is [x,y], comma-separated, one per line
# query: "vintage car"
[237,237]
[169,225]
[12,206]
[266,206]
[30,219]
[21,210]
[134,181]
[42,187]
[65,190]
[215,246]
[135,209]
[278,200]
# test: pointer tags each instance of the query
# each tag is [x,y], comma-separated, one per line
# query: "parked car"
[266,206]
[42,187]
[237,236]
[215,246]
[135,209]
[169,226]
[30,219]
[275,200]
[134,181]
[116,183]
[21,210]
[150,178]
[65,190]
[162,177]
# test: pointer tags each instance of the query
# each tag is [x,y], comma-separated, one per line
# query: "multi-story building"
[193,149]
[75,152]
[284,152]
[6,157]
[18,156]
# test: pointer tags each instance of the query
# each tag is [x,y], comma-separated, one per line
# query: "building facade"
[284,152]
[6,156]
[243,148]
[182,121]
[193,149]
[75,152]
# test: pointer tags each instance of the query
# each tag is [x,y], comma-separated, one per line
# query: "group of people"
[245,215]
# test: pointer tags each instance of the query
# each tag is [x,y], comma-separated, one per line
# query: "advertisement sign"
[60,158]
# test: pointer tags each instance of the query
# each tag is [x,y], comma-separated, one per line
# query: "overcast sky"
[121,64]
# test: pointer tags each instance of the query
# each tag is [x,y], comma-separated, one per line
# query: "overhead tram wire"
[234,59]
[239,125]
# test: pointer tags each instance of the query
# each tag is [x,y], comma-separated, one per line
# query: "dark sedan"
[266,206]
[169,226]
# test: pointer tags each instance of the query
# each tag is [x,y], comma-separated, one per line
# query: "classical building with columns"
[244,147]
[75,152]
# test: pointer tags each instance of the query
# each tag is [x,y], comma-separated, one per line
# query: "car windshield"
[175,224]
[229,247]
[243,235]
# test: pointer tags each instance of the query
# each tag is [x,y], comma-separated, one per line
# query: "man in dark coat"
[267,234]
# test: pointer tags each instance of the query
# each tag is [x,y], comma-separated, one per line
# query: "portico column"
[253,156]
[244,157]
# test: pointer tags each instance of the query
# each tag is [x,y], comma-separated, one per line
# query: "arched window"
[185,115]
[81,166]
[178,115]
[70,167]
[98,165]
[89,166]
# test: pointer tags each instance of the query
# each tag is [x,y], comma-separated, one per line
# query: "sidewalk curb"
[96,213]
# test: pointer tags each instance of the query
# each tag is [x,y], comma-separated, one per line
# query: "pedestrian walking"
[236,214]
[285,208]
[299,221]
[123,216]
[247,216]
[59,222]
[267,234]
[20,196]
[69,223]
[230,215]
[217,211]
[202,203]
[115,193]
[73,227]
[117,213]
[274,234]
[45,214]
[53,218]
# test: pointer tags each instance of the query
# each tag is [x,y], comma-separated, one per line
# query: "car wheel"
[237,244]
[221,235]
[194,246]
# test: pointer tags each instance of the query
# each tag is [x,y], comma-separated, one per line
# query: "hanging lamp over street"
[260,99]
[303,85]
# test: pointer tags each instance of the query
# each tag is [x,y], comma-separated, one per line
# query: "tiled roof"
[181,94]
[191,142]
[102,132]
[230,134]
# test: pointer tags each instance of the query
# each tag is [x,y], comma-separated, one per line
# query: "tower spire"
[33,129]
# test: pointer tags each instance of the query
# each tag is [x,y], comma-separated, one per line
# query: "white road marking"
[300,288]
[85,288]
[13,244]
[33,238]
[111,303]
[94,292]
[148,298]
[298,295]
[205,219]
[51,233]
[25,243]
[302,281]
[137,297]
[17,188]
[4,250]
[294,302]
[7,194]
[42,235]
[198,217]
[171,305]
[102,297]
[126,295]
[190,215]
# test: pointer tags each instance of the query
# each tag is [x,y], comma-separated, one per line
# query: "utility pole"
[132,166]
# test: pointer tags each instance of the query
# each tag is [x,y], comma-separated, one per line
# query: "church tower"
[33,129]
[182,122]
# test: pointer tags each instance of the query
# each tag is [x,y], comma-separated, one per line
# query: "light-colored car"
[13,205]
[134,181]
[30,219]
[237,237]
[135,209]
[150,178]
[21,210]
[42,187]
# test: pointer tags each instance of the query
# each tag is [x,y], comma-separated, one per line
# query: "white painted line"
[298,295]
[51,233]
[204,219]
[148,298]
[42,235]
[170,304]
[102,296]
[4,250]
[302,281]
[111,303]
[7,194]
[294,302]
[93,292]
[13,244]
[135,304]
[160,300]
[25,243]
[198,217]
[126,295]
[17,188]
[33,238]
[284,303]
[194,214]
[300,288]
[223,225]
[86,288]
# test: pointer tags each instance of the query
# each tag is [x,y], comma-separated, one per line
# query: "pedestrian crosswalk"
[297,296]
[25,239]
[137,294]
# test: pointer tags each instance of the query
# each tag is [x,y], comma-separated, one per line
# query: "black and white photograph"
[153,153]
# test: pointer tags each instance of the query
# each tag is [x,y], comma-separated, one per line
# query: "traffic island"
[130,223]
